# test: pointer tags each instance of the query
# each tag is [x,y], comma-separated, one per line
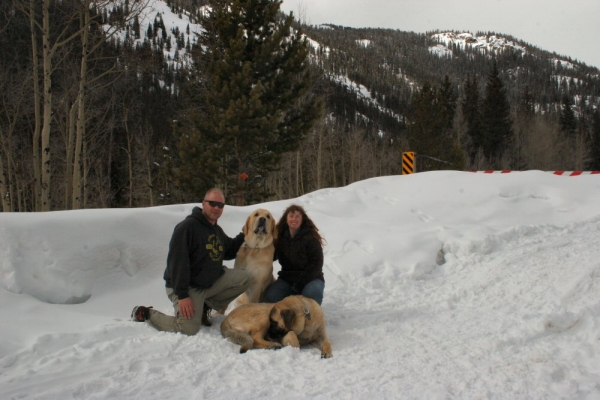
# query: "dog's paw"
[275,346]
[326,355]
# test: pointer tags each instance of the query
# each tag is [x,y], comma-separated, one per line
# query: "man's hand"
[186,308]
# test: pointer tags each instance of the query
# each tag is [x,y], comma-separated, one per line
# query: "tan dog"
[295,321]
[256,254]
[248,325]
[300,321]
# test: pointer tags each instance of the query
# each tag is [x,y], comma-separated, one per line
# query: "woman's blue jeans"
[280,289]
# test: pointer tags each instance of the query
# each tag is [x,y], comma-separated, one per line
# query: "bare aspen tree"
[77,192]
[42,155]
[150,181]
[70,144]
[42,99]
[37,111]
[146,159]
[87,49]
[7,173]
[129,151]
[12,102]
[4,179]
[299,180]
[319,156]
[333,169]
[47,55]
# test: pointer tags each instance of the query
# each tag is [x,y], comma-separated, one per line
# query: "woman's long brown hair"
[282,225]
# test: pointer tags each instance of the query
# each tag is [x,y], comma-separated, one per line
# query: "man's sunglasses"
[214,203]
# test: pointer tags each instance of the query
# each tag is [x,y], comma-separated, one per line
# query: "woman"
[299,249]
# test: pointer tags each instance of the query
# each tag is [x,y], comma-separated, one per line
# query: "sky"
[439,285]
[569,28]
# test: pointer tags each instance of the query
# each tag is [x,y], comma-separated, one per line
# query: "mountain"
[381,68]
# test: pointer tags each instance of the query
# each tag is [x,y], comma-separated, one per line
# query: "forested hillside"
[138,103]
[400,82]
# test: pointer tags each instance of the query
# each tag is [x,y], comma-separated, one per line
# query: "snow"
[176,57]
[439,285]
[363,93]
[440,50]
[486,44]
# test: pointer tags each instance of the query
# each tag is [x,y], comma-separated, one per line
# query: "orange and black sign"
[408,162]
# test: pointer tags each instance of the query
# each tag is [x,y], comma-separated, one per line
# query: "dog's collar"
[306,312]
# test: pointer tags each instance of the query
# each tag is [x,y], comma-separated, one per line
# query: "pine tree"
[136,27]
[523,125]
[448,102]
[497,123]
[470,108]
[149,32]
[431,133]
[568,121]
[526,105]
[427,121]
[256,101]
[595,147]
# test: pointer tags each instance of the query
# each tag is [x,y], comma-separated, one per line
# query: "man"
[195,277]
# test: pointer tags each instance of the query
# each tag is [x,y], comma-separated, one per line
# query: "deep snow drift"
[438,285]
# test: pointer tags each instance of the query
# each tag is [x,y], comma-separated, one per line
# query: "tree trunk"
[319,158]
[37,189]
[69,162]
[84,175]
[4,191]
[7,171]
[80,127]
[297,193]
[333,175]
[150,185]
[581,150]
[76,187]
[130,167]
[46,173]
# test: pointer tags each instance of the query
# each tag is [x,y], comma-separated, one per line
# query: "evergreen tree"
[448,102]
[256,103]
[149,32]
[568,121]
[427,121]
[523,125]
[595,147]
[470,108]
[136,27]
[497,123]
[431,133]
[526,105]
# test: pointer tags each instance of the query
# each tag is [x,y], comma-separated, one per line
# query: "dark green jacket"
[300,257]
[196,253]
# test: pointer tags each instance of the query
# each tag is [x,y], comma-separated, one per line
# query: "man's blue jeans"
[281,289]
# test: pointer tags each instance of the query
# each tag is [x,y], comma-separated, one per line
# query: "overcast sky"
[569,28]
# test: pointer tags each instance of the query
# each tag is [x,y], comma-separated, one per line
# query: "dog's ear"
[247,225]
[289,316]
[273,225]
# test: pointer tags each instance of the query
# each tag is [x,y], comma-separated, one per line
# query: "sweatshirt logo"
[215,248]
